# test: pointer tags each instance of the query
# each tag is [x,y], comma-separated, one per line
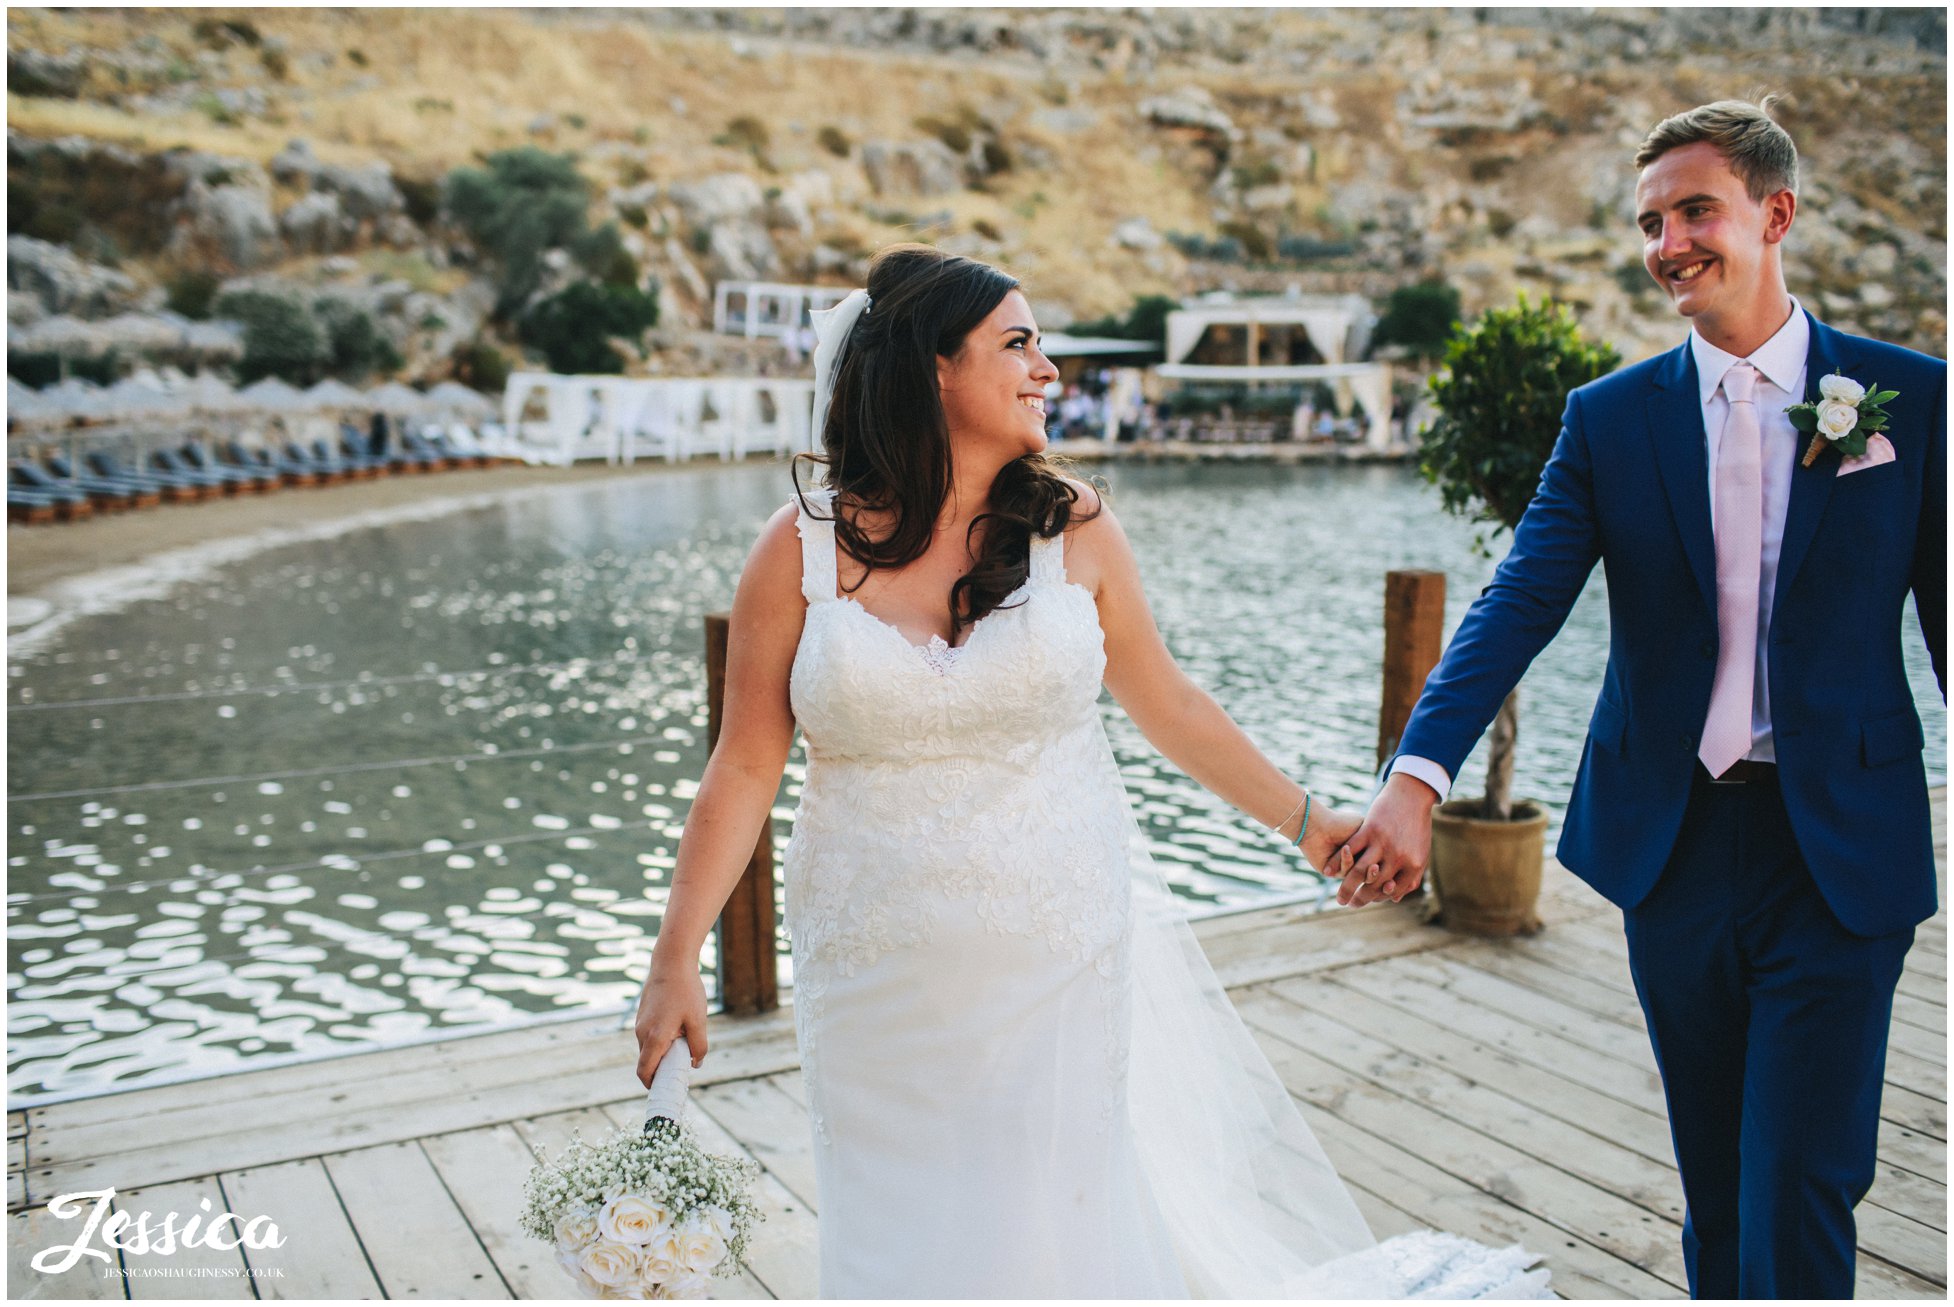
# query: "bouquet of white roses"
[645,1214]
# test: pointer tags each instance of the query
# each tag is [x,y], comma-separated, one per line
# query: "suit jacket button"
[1710,649]
[1689,744]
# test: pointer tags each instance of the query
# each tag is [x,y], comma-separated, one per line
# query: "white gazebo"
[767,308]
[553,418]
[1285,338]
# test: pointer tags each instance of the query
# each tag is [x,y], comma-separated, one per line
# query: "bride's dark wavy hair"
[886,442]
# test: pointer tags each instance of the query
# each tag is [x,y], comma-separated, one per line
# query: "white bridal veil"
[1254,1208]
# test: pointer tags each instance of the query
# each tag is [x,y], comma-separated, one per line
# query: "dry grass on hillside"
[432,89]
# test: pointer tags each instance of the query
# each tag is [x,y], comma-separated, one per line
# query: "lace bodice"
[862,691]
[971,772]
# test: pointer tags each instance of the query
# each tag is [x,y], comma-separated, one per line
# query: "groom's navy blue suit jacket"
[1628,484]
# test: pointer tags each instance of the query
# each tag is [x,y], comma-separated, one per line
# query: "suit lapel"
[1811,487]
[1675,409]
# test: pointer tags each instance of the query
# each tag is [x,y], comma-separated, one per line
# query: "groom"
[1751,793]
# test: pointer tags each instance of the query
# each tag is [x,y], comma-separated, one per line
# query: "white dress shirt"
[1780,362]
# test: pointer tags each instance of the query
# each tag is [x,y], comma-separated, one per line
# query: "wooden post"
[1414,633]
[749,973]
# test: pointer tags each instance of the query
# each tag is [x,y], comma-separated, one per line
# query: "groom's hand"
[1390,850]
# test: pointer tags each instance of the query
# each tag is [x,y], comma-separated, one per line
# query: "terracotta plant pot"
[1486,874]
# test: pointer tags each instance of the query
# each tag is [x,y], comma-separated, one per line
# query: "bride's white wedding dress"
[1023,1078]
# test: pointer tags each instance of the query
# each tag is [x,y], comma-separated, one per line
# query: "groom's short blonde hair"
[1758,150]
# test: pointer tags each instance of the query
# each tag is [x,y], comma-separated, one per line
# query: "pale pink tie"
[1738,521]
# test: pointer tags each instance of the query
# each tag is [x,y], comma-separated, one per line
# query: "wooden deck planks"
[1511,1119]
[1592,1214]
[484,1169]
[321,1256]
[341,1115]
[416,1237]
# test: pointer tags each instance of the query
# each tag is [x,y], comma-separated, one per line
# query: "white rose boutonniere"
[1844,415]
[1840,387]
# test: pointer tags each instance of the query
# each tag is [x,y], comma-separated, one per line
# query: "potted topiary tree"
[1499,397]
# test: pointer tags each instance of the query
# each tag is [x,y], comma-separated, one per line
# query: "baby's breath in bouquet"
[646,1214]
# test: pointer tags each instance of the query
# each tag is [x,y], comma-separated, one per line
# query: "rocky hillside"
[1097,154]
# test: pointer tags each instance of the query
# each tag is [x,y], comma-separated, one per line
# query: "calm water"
[462,806]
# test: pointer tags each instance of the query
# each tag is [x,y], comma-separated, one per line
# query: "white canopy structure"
[554,418]
[1283,339]
[767,308]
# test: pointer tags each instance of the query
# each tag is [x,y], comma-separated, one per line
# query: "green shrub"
[355,346]
[103,369]
[222,33]
[34,369]
[422,198]
[1419,317]
[526,201]
[573,328]
[191,291]
[749,134]
[1499,399]
[604,257]
[956,135]
[1308,249]
[834,141]
[1146,320]
[481,366]
[281,337]
[1222,249]
[1263,172]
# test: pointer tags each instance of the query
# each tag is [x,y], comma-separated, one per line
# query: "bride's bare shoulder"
[1094,541]
[1087,504]
[774,564]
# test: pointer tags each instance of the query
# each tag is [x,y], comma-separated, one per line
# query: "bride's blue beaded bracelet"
[1304,829]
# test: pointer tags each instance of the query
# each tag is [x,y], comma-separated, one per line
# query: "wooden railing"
[749,971]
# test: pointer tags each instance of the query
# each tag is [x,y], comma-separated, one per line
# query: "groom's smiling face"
[1707,243]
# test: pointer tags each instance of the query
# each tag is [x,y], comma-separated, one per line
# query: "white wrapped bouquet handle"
[666,1097]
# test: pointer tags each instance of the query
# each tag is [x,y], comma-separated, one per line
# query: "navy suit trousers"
[1769,1021]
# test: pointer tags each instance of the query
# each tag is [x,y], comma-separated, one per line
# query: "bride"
[1023,1078]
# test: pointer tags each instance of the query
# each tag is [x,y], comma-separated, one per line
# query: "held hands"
[672,1006]
[1388,853]
[1323,841]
